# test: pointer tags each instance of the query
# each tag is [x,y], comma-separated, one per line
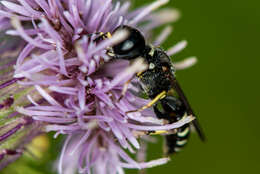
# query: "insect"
[173,110]
[159,83]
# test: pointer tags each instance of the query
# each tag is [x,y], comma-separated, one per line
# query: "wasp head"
[132,46]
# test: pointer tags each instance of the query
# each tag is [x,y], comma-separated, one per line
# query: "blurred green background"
[222,87]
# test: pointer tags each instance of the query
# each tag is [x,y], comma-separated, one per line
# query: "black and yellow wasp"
[159,83]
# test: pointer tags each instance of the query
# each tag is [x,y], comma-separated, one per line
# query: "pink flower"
[74,86]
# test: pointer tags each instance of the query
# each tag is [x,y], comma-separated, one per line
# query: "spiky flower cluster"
[72,86]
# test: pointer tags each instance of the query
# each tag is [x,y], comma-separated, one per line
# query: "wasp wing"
[183,98]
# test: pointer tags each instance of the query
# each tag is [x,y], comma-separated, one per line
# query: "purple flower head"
[75,86]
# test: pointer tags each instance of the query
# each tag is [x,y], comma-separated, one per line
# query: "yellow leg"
[139,73]
[102,35]
[108,35]
[159,132]
[151,103]
[105,35]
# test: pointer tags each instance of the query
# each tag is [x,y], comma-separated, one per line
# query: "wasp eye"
[131,47]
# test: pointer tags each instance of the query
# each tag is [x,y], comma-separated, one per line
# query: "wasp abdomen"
[176,141]
[172,110]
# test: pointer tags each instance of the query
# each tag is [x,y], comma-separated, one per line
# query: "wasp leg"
[159,115]
[159,132]
[151,103]
[101,36]
[125,87]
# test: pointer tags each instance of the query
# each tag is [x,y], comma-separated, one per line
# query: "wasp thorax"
[132,46]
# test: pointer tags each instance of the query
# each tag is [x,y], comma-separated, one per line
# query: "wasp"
[159,84]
